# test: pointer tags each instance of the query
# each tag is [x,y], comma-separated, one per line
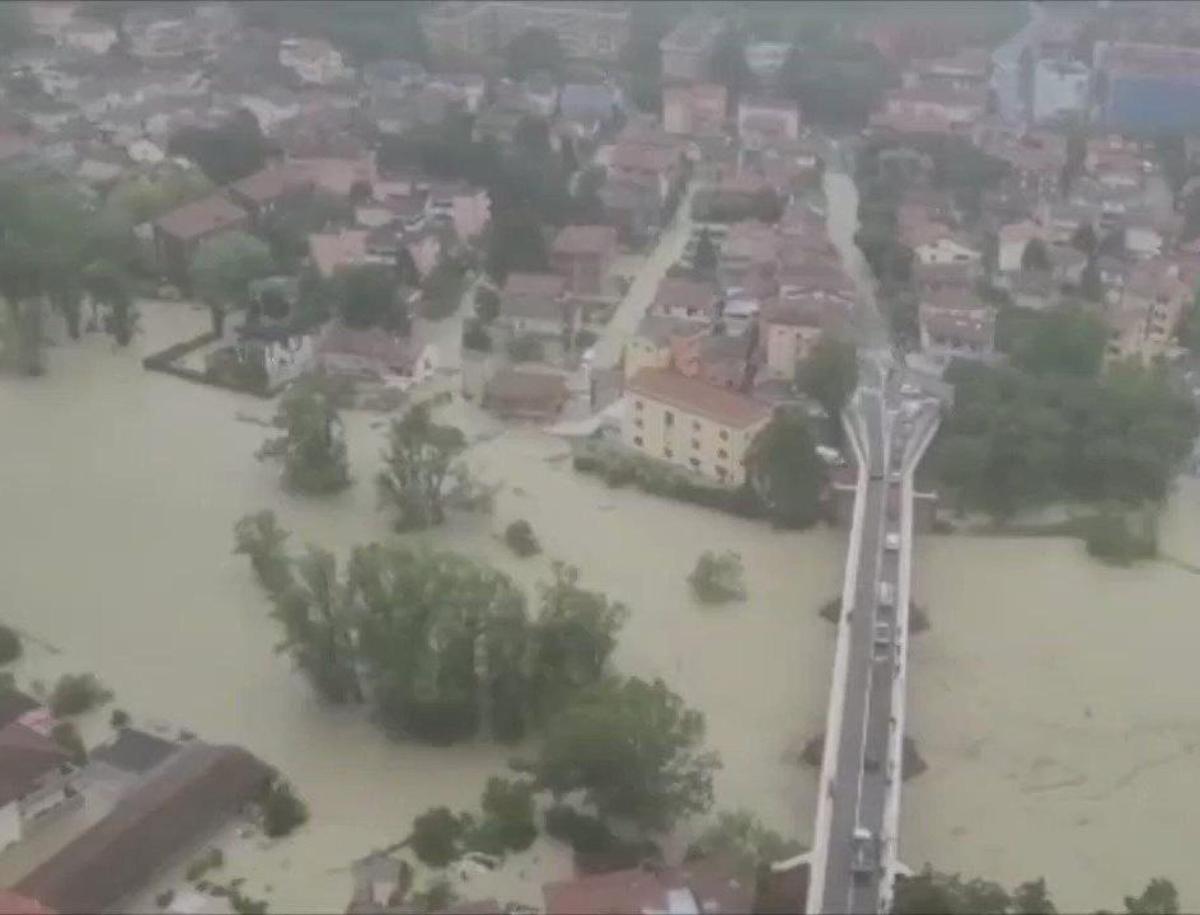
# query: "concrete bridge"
[855,855]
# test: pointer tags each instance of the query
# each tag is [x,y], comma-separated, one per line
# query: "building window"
[722,454]
[668,452]
[638,423]
[695,462]
[637,440]
[696,444]
[669,418]
[724,435]
[637,405]
[695,425]
[721,472]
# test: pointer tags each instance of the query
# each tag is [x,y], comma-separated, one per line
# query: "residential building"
[765,58]
[537,304]
[762,121]
[88,35]
[931,110]
[381,882]
[472,28]
[691,423]
[273,353]
[36,776]
[965,71]
[1151,88]
[526,393]
[541,92]
[392,77]
[1144,320]
[695,109]
[468,208]
[584,256]
[684,298]
[708,886]
[1012,241]
[790,328]
[331,251]
[153,34]
[946,249]
[398,362]
[656,341]
[178,806]
[259,194]
[1061,90]
[180,232]
[633,207]
[338,176]
[314,60]
[955,328]
[588,105]
[721,359]
[687,48]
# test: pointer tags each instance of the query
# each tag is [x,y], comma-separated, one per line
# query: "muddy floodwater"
[118,492]
[1055,700]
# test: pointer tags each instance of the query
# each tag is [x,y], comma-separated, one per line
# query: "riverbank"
[119,489]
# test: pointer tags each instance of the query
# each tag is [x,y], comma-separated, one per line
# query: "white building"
[313,60]
[1060,89]
[946,250]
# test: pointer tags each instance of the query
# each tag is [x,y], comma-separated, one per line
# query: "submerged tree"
[829,375]
[786,471]
[313,446]
[419,460]
[223,268]
[737,836]
[260,537]
[718,577]
[109,288]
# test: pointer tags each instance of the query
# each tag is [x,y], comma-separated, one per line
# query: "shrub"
[831,610]
[119,718]
[718,578]
[10,645]
[508,808]
[597,849]
[475,337]
[521,539]
[66,735]
[487,304]
[283,810]
[585,338]
[75,694]
[210,860]
[436,835]
[164,899]
[526,349]
[1109,537]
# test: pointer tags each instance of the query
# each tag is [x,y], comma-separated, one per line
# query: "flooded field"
[1055,702]
[118,492]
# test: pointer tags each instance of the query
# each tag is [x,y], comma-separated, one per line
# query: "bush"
[597,849]
[1108,537]
[436,835]
[521,539]
[283,810]
[475,337]
[508,808]
[66,735]
[526,349]
[75,694]
[487,304]
[210,860]
[10,645]
[119,719]
[585,338]
[718,578]
[164,899]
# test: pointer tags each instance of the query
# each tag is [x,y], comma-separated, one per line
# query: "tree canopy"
[634,749]
[366,296]
[829,375]
[786,471]
[313,445]
[227,152]
[534,50]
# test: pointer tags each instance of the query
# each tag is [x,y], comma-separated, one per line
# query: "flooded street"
[118,492]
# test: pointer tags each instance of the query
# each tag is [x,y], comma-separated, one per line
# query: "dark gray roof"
[14,704]
[134,751]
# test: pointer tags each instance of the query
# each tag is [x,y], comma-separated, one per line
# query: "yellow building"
[688,422]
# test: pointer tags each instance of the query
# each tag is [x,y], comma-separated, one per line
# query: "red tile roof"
[684,295]
[539,285]
[701,886]
[15,904]
[699,397]
[393,352]
[25,758]
[202,217]
[575,240]
[271,183]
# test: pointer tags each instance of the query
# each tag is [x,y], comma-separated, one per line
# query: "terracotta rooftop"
[527,388]
[539,285]
[331,250]
[25,758]
[390,351]
[271,183]
[574,240]
[201,217]
[976,326]
[186,799]
[644,157]
[699,887]
[685,295]
[694,396]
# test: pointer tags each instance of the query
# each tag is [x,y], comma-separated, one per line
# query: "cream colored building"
[692,424]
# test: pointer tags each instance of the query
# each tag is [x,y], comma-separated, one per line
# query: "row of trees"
[932,891]
[56,251]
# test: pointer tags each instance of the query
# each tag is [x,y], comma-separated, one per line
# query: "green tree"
[366,296]
[573,639]
[533,50]
[526,348]
[705,259]
[260,537]
[315,614]
[313,446]
[108,286]
[737,836]
[418,462]
[282,809]
[829,375]
[634,749]
[521,539]
[786,471]
[487,304]
[1032,898]
[1158,898]
[142,198]
[1084,239]
[443,641]
[436,836]
[66,735]
[10,645]
[728,63]
[1066,339]
[1035,256]
[444,287]
[508,812]
[223,268]
[718,577]
[228,152]
[932,893]
[516,243]
[75,694]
